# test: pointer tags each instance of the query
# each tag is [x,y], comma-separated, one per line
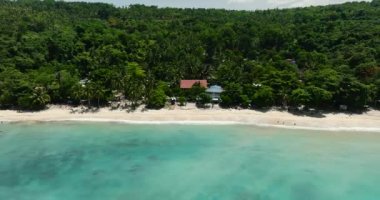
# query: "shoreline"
[366,122]
[200,123]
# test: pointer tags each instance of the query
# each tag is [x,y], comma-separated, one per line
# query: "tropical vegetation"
[68,53]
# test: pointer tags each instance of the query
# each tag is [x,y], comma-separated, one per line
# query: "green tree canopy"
[95,51]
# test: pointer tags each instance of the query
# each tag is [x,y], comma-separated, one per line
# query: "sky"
[226,4]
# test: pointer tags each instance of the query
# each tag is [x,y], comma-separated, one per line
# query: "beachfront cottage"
[187,84]
[215,91]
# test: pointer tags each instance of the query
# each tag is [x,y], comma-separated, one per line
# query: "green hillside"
[321,57]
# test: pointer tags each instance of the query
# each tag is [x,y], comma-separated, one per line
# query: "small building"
[292,61]
[343,107]
[84,82]
[187,84]
[214,91]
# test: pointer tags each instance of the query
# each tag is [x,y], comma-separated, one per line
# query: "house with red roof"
[187,84]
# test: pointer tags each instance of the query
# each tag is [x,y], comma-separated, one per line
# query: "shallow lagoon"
[72,161]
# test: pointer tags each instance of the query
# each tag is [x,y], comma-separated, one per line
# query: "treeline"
[60,52]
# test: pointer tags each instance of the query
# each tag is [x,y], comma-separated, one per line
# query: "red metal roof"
[186,84]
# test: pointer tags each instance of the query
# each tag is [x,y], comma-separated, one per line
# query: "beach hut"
[215,91]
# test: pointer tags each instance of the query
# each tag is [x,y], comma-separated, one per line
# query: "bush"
[24,103]
[245,101]
[195,91]
[6,99]
[319,96]
[157,100]
[263,97]
[231,96]
[182,101]
[300,97]
[203,100]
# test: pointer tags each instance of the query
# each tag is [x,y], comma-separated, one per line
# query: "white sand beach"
[369,121]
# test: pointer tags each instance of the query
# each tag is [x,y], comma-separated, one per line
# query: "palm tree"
[117,82]
[40,97]
[98,92]
[88,91]
[77,92]
[134,82]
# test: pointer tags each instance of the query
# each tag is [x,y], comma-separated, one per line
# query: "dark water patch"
[249,196]
[3,133]
[128,144]
[43,167]
[309,171]
[306,190]
[98,172]
[135,169]
[153,158]
[10,178]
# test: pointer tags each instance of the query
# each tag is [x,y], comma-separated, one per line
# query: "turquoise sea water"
[98,161]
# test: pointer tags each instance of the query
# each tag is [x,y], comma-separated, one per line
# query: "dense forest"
[65,53]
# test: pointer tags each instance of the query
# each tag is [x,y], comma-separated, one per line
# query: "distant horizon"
[223,4]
